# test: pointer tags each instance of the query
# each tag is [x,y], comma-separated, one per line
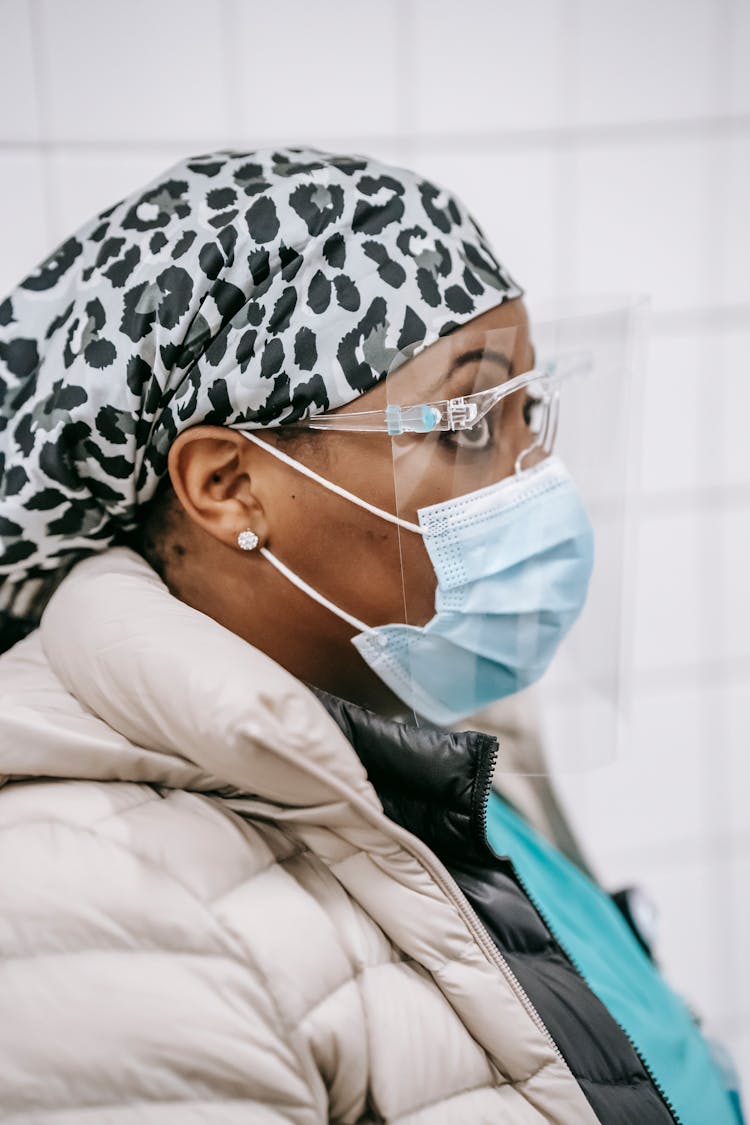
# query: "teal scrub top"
[597,939]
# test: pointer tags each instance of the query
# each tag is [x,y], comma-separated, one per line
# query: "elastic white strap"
[312,593]
[331,486]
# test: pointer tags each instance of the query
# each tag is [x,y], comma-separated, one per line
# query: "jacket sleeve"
[124,995]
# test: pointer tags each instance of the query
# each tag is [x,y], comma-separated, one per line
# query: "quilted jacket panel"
[206,915]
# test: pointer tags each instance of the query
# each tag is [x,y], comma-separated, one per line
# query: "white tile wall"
[148,71]
[19,108]
[496,66]
[733,536]
[668,591]
[297,82]
[735,166]
[677,396]
[664,752]
[640,219]
[737,70]
[732,705]
[26,235]
[603,146]
[740,876]
[731,393]
[640,61]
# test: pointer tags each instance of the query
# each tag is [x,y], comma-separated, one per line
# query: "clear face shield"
[513,453]
[512,463]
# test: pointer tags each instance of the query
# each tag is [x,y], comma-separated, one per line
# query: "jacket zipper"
[454,894]
[483,937]
[487,787]
[415,847]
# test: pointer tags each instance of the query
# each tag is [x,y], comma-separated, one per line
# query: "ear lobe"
[208,466]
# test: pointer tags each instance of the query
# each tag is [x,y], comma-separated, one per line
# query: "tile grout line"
[233,101]
[405,52]
[679,852]
[567,216]
[713,607]
[45,152]
[702,673]
[606,135]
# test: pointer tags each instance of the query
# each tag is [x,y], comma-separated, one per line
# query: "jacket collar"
[434,782]
[149,689]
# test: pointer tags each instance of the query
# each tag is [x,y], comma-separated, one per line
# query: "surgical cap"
[237,288]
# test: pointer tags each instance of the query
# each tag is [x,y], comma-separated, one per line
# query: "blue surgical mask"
[512,562]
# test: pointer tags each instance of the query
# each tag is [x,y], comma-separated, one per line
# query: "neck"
[256,602]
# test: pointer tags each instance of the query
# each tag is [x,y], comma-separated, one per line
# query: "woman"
[240,881]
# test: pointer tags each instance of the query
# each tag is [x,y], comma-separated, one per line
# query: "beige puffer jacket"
[205,915]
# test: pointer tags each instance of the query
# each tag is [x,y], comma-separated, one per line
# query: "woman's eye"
[533,412]
[475,438]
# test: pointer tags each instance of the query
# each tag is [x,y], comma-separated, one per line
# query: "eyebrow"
[477,354]
[473,356]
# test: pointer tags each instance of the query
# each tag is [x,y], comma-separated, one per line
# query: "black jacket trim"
[436,784]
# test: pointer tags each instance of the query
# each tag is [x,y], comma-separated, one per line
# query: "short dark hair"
[157,519]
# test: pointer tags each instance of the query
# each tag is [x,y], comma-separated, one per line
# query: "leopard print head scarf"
[246,289]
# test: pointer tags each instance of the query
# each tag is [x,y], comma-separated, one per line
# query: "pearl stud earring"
[248,540]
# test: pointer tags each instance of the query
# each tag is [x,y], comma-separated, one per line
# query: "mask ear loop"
[300,467]
[294,578]
[316,595]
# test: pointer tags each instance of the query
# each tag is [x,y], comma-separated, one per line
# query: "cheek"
[346,553]
[428,472]
[362,563]
[419,582]
[390,566]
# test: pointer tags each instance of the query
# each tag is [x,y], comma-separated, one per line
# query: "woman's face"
[366,566]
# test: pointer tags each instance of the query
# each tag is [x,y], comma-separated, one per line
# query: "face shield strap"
[294,578]
[335,488]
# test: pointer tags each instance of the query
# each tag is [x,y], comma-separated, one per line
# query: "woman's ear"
[210,469]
